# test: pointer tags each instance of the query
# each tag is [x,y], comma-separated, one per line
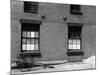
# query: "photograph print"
[52,37]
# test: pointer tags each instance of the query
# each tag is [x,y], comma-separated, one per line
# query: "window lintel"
[31,21]
[75,24]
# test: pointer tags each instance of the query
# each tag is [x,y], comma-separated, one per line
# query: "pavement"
[62,65]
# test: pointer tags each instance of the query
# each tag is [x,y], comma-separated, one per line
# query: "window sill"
[29,11]
[75,53]
[76,12]
[30,54]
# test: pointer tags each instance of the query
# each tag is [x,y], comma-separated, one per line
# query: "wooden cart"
[25,61]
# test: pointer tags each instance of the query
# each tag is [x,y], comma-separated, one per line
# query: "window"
[30,7]
[75,9]
[74,37]
[30,37]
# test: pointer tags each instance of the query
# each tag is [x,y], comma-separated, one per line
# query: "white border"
[84,2]
[5,37]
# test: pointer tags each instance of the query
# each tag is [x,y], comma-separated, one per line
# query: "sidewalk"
[61,66]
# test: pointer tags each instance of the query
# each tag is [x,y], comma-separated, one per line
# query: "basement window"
[30,37]
[75,9]
[74,37]
[30,7]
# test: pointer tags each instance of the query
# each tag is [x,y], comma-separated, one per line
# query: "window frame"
[30,5]
[77,11]
[30,22]
[75,24]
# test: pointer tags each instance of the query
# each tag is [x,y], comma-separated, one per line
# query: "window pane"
[24,34]
[32,46]
[36,47]
[30,7]
[28,34]
[78,46]
[28,47]
[35,41]
[74,31]
[70,46]
[28,41]
[36,34]
[74,46]
[78,42]
[70,41]
[32,34]
[24,41]
[75,7]
[24,47]
[74,41]
[32,41]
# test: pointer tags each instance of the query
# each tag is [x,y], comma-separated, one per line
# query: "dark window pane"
[75,7]
[36,41]
[24,41]
[28,41]
[32,41]
[30,27]
[30,7]
[74,31]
